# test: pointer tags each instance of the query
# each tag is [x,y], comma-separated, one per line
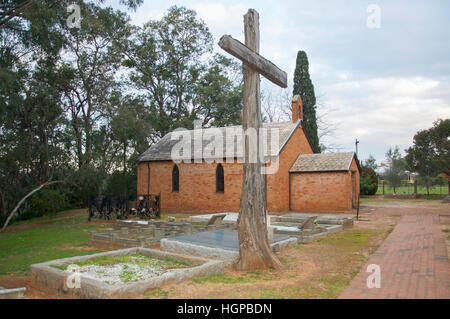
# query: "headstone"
[308,224]
[216,219]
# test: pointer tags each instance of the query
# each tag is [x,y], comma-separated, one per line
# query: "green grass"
[437,190]
[157,293]
[350,239]
[233,279]
[326,288]
[47,241]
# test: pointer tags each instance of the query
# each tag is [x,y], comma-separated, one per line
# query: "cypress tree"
[304,87]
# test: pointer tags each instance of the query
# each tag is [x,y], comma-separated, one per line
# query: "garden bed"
[119,273]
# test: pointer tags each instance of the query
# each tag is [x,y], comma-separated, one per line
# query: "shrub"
[48,201]
[368,181]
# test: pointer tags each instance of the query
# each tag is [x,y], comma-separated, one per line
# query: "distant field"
[410,189]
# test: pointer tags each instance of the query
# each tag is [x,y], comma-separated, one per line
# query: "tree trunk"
[254,250]
[2,194]
[23,199]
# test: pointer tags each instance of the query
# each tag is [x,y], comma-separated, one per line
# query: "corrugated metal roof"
[322,162]
[161,151]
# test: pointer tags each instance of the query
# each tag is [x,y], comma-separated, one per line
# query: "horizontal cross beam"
[254,60]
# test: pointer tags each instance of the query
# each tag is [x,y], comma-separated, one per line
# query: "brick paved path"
[413,262]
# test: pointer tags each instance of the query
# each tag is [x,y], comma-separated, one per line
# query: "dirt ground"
[315,270]
[320,269]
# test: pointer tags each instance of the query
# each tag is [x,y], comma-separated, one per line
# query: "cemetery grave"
[288,230]
[119,273]
[147,233]
[211,238]
[115,270]
[220,244]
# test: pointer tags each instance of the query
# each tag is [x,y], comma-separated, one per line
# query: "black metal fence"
[125,206]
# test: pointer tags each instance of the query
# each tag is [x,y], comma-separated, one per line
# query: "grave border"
[51,279]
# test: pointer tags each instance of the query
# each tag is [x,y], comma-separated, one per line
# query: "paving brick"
[413,261]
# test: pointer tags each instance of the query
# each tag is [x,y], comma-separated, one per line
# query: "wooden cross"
[254,249]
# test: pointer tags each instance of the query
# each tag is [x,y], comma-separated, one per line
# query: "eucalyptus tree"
[173,69]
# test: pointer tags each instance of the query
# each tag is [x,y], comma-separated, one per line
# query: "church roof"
[161,151]
[322,162]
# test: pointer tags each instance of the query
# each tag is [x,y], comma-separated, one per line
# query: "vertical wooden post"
[254,249]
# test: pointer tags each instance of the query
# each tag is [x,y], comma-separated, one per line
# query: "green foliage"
[171,65]
[304,87]
[430,153]
[119,183]
[396,167]
[49,201]
[370,162]
[368,181]
[85,114]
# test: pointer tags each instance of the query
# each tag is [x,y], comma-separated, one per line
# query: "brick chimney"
[297,108]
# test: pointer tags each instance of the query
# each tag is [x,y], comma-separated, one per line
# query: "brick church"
[303,182]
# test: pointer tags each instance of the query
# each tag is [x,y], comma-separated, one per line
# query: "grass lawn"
[436,190]
[65,234]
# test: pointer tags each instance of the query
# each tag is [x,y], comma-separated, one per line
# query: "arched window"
[175,179]
[220,179]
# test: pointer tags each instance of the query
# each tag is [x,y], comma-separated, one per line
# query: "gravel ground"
[121,273]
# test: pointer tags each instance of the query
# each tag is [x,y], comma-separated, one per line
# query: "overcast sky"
[379,85]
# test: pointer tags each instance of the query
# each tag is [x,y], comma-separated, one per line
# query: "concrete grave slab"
[218,244]
[52,279]
[14,293]
[231,217]
[345,220]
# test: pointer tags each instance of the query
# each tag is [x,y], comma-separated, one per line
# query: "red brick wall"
[197,192]
[278,184]
[325,191]
[198,182]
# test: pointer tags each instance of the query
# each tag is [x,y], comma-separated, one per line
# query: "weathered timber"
[254,60]
[254,249]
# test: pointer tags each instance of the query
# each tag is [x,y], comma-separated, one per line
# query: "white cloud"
[384,112]
[382,85]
